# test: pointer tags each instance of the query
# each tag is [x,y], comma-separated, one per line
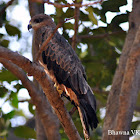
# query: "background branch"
[76,16]
[50,122]
[100,35]
[122,97]
[67,5]
[130,87]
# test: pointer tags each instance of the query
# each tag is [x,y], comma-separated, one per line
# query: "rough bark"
[39,128]
[53,97]
[123,94]
[49,120]
[49,123]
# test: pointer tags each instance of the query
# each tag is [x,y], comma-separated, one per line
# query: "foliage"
[28,132]
[100,59]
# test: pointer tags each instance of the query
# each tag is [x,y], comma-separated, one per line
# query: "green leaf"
[4,43]
[83,16]
[91,15]
[68,25]
[12,30]
[9,115]
[3,16]
[69,13]
[59,12]
[20,112]
[18,87]
[3,133]
[3,91]
[120,19]
[134,125]
[14,99]
[79,1]
[6,75]
[98,13]
[25,132]
[31,108]
[112,5]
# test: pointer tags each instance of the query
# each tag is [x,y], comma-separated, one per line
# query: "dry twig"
[76,15]
[58,5]
[4,8]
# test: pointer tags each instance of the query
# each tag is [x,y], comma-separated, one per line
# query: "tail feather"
[84,121]
[90,113]
[87,112]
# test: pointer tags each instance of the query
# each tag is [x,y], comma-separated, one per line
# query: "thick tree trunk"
[123,94]
[39,128]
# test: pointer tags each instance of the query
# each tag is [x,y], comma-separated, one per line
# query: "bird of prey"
[65,69]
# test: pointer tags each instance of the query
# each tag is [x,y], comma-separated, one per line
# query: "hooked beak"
[29,26]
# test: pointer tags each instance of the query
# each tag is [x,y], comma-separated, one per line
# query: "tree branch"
[39,127]
[100,35]
[76,15]
[35,8]
[115,98]
[4,8]
[38,99]
[56,102]
[130,87]
[58,5]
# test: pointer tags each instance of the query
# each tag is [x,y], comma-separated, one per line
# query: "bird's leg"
[72,111]
[58,88]
[62,90]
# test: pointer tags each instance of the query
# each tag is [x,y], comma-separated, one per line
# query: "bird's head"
[39,21]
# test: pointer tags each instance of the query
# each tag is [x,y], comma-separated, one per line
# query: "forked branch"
[53,97]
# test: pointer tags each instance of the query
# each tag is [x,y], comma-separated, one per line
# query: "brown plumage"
[66,70]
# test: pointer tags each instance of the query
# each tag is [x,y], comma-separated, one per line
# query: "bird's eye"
[41,19]
[38,20]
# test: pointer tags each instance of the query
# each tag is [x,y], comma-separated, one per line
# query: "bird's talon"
[58,89]
[60,92]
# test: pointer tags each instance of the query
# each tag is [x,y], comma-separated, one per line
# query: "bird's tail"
[87,113]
